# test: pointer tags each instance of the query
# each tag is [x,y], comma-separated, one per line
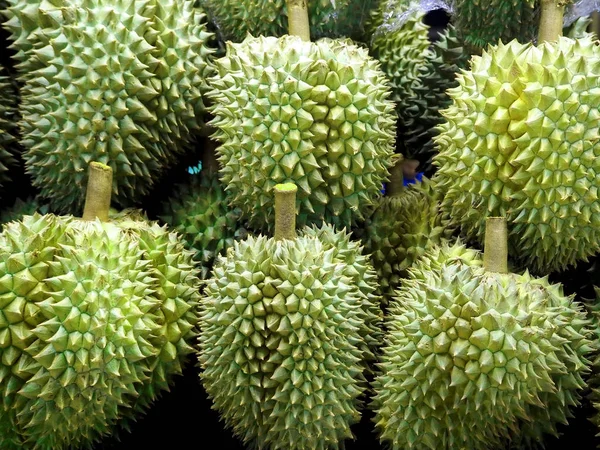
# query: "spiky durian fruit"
[474,358]
[399,229]
[447,56]
[285,329]
[235,19]
[118,82]
[199,210]
[522,139]
[482,23]
[316,114]
[94,319]
[8,128]
[400,42]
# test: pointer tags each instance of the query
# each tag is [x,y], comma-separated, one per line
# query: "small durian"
[21,208]
[521,139]
[477,357]
[199,210]
[401,227]
[95,318]
[285,334]
[8,128]
[315,114]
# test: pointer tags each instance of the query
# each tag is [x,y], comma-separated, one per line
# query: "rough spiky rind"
[400,229]
[315,114]
[447,56]
[521,139]
[360,270]
[199,210]
[8,128]
[281,340]
[402,49]
[473,356]
[482,23]
[235,19]
[22,208]
[180,62]
[116,82]
[94,316]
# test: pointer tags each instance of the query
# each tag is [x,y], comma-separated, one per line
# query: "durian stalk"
[298,19]
[285,211]
[551,20]
[595,28]
[495,250]
[396,183]
[209,157]
[99,190]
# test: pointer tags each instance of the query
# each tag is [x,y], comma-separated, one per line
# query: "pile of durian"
[226,190]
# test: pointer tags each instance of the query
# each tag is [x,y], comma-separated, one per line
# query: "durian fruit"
[447,56]
[8,129]
[522,139]
[315,114]
[400,228]
[476,357]
[95,318]
[480,24]
[199,210]
[400,42]
[235,19]
[21,208]
[118,82]
[282,343]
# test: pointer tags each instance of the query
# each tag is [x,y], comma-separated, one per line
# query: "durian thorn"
[285,211]
[297,12]
[396,183]
[495,250]
[99,190]
[551,20]
[209,157]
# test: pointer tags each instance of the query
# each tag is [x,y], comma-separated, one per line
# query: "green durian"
[117,82]
[447,56]
[480,24]
[199,210]
[95,318]
[477,359]
[285,333]
[522,139]
[313,113]
[235,19]
[401,228]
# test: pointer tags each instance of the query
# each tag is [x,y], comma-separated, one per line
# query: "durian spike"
[99,190]
[285,211]
[209,157]
[495,250]
[298,19]
[551,20]
[396,184]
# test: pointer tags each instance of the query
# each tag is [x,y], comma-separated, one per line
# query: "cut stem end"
[495,250]
[285,211]
[98,193]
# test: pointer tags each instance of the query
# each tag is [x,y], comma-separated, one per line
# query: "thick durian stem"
[595,28]
[99,190]
[285,211]
[209,156]
[495,250]
[551,21]
[298,19]
[396,183]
